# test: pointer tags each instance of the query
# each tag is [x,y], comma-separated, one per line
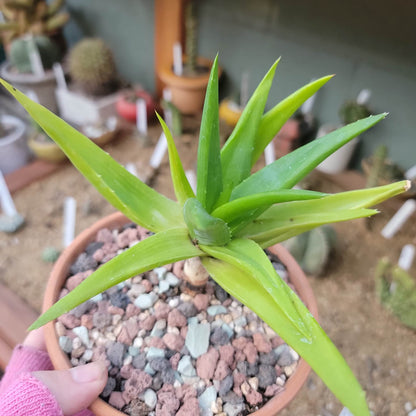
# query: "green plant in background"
[312,249]
[35,17]
[396,290]
[191,38]
[232,218]
[352,111]
[92,66]
[21,48]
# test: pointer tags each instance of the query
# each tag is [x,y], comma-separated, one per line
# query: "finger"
[35,339]
[77,388]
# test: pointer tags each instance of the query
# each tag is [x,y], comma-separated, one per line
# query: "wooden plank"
[5,354]
[15,317]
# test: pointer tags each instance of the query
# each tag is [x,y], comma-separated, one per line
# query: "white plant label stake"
[406,256]
[159,152]
[34,58]
[70,207]
[167,96]
[308,104]
[269,153]
[244,89]
[131,167]
[6,201]
[177,59]
[141,116]
[59,76]
[32,95]
[190,175]
[399,218]
[363,96]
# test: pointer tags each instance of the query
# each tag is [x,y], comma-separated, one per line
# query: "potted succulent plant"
[31,28]
[92,94]
[126,104]
[188,88]
[230,220]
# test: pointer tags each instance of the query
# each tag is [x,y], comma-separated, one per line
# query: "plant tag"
[131,167]
[363,96]
[190,175]
[32,95]
[244,89]
[59,76]
[410,174]
[308,104]
[6,201]
[141,116]
[159,152]
[406,256]
[399,218]
[70,207]
[345,412]
[34,58]
[269,153]
[177,59]
[167,96]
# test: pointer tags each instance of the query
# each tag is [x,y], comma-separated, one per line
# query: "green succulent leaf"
[256,284]
[288,170]
[238,207]
[209,174]
[236,154]
[181,185]
[155,251]
[203,227]
[123,190]
[274,119]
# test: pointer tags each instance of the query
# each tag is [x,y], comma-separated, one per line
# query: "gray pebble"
[82,309]
[233,409]
[242,367]
[101,319]
[66,344]
[83,263]
[115,353]
[139,361]
[266,375]
[168,376]
[188,309]
[157,382]
[133,351]
[225,385]
[93,247]
[216,310]
[119,300]
[232,398]
[149,369]
[220,293]
[252,369]
[220,337]
[284,356]
[269,358]
[159,363]
[109,387]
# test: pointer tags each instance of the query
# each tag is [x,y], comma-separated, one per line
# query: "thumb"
[77,388]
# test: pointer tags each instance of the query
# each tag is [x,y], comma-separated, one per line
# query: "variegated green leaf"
[123,190]
[155,251]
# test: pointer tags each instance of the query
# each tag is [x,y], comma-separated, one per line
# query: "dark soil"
[380,350]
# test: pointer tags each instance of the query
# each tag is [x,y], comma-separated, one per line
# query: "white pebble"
[82,333]
[150,398]
[172,279]
[174,302]
[138,342]
[128,360]
[87,356]
[76,343]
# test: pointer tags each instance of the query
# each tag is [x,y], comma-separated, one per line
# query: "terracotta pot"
[60,272]
[128,109]
[188,93]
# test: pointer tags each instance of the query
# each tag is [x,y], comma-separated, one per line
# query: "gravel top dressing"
[170,350]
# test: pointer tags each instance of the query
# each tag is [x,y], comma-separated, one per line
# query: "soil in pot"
[171,351]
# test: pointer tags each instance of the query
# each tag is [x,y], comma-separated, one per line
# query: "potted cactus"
[188,88]
[233,216]
[94,83]
[33,27]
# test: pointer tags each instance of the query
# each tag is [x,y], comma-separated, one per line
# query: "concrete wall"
[366,43]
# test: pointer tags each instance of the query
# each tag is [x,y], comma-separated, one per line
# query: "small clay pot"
[127,108]
[60,272]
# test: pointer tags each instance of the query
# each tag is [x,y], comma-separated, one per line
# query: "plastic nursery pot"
[45,149]
[188,93]
[126,106]
[100,407]
[230,112]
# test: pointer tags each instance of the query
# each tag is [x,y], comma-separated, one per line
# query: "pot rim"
[26,78]
[16,133]
[117,219]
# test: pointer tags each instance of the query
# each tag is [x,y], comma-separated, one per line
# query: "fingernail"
[89,372]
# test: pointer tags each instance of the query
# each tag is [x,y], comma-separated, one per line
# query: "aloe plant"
[232,218]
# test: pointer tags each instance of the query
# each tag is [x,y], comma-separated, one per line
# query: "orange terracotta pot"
[100,407]
[188,93]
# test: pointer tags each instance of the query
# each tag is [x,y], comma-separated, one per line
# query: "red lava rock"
[239,356]
[73,281]
[207,363]
[277,341]
[114,310]
[227,354]
[129,235]
[176,318]
[239,379]
[174,360]
[178,269]
[110,249]
[185,392]
[104,236]
[69,320]
[148,323]
[253,397]
[251,352]
[167,402]
[132,327]
[124,337]
[116,400]
[272,390]
[222,370]
[239,343]
[86,320]
[184,331]
[99,354]
[162,310]
[262,343]
[125,371]
[201,301]
[142,233]
[131,311]
[98,255]
[135,384]
[155,342]
[148,287]
[63,293]
[173,341]
[189,408]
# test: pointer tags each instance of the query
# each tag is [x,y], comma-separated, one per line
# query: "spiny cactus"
[396,290]
[36,17]
[313,248]
[21,48]
[92,67]
[352,111]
